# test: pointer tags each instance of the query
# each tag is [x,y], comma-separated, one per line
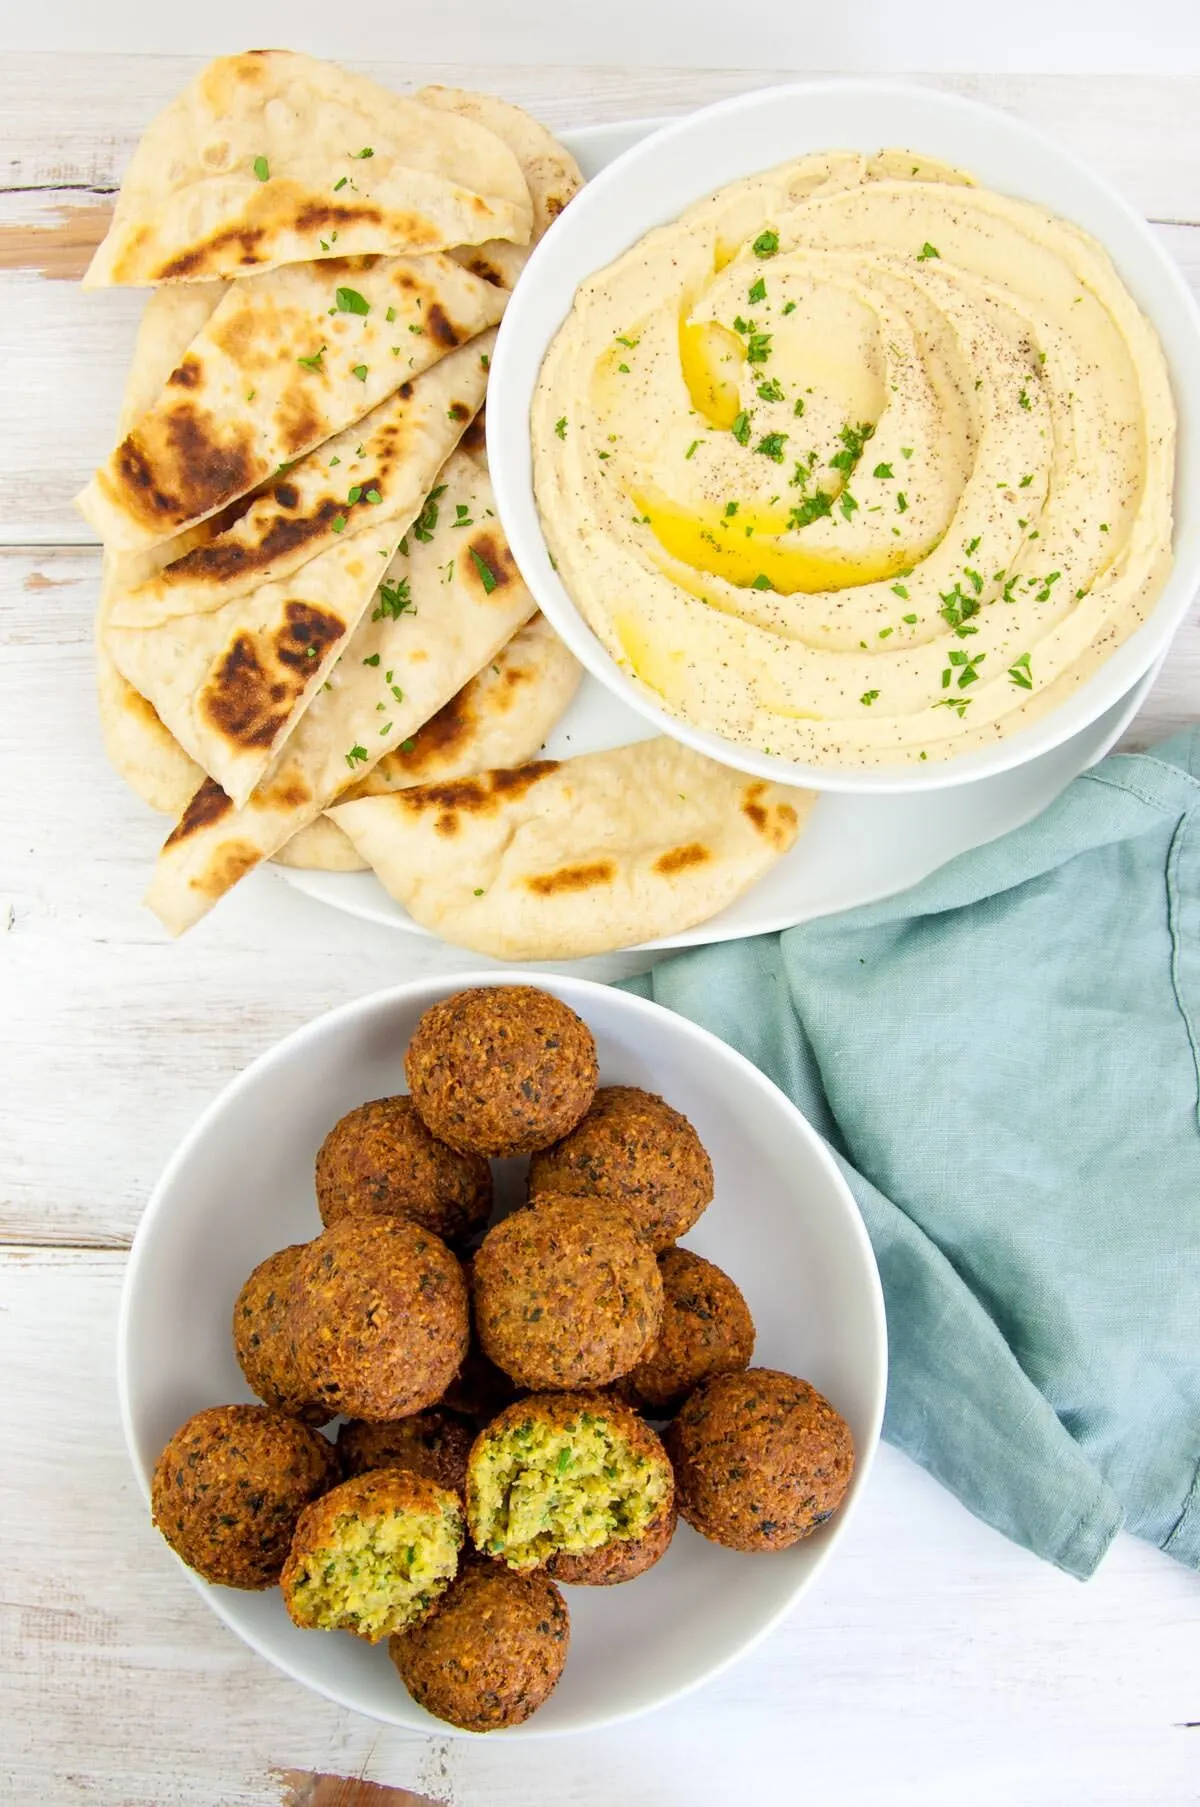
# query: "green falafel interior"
[537,1488]
[374,1573]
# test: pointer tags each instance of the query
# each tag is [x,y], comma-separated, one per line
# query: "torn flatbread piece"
[380,467]
[273,158]
[502,717]
[449,602]
[552,861]
[549,169]
[284,362]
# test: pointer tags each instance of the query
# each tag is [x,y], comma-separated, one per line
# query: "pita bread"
[260,162]
[500,718]
[456,599]
[139,748]
[378,469]
[549,169]
[553,861]
[278,368]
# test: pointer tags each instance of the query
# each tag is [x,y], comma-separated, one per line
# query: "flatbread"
[500,718]
[231,684]
[278,368]
[260,159]
[553,861]
[549,169]
[139,748]
[465,599]
[379,468]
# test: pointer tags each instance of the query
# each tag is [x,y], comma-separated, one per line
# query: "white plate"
[706,151]
[783,1224]
[858,848]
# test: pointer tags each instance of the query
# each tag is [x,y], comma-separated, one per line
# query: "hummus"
[858,463]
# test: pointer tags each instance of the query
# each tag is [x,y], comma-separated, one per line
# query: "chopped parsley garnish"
[771,446]
[811,509]
[373,659]
[338,523]
[394,601]
[486,575]
[426,521]
[757,291]
[909,620]
[847,504]
[731,509]
[366,151]
[770,391]
[766,244]
[691,449]
[390,315]
[631,343]
[313,363]
[360,371]
[262,169]
[624,369]
[853,440]
[373,496]
[901,502]
[885,633]
[560,426]
[966,668]
[741,428]
[868,697]
[1020,674]
[762,582]
[906,451]
[798,410]
[740,325]
[349,301]
[354,493]
[973,546]
[900,591]
[759,348]
[789,307]
[1024,401]
[958,609]
[416,328]
[340,183]
[1025,481]
[959,704]
[973,578]
[356,756]
[927,251]
[882,471]
[1103,528]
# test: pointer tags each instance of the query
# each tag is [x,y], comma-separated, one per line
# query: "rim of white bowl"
[510,459]
[429,991]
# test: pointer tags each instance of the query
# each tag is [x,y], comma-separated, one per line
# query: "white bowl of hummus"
[851,433]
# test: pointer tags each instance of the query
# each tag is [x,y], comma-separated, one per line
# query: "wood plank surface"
[930,1653]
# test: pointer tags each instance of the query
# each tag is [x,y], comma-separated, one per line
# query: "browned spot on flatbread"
[317,215]
[230,863]
[62,251]
[752,808]
[441,328]
[772,823]
[214,254]
[286,494]
[298,423]
[583,877]
[286,791]
[678,859]
[555,204]
[304,1788]
[483,795]
[479,266]
[474,440]
[490,549]
[207,806]
[221,562]
[180,469]
[187,375]
[262,677]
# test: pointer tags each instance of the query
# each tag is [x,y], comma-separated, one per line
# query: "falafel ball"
[568,1472]
[618,1560]
[566,1296]
[381,1160]
[761,1459]
[435,1443]
[501,1070]
[231,1484]
[262,1338]
[491,1650]
[378,1317]
[636,1149]
[706,1329]
[373,1555]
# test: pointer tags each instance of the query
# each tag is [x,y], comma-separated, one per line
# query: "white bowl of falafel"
[502,1359]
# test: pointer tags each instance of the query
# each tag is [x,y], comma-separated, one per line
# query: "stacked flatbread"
[311,632]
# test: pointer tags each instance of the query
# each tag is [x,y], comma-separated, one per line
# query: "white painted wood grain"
[932,1664]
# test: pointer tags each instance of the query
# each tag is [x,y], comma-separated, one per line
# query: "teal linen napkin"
[1005,1061]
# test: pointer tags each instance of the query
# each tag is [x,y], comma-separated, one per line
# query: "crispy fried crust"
[262,1338]
[379,1317]
[706,1329]
[566,1296]
[636,1149]
[501,1070]
[230,1486]
[615,1562]
[435,1444]
[490,1652]
[760,1458]
[381,1160]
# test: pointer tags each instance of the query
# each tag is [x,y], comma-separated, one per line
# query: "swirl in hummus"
[858,462]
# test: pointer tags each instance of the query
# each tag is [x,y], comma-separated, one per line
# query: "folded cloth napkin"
[1005,1060]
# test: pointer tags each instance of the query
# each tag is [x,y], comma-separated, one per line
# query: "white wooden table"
[932,1663]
